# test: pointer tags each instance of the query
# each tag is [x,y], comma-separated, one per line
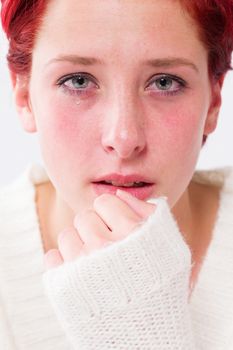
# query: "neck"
[54,214]
[183,212]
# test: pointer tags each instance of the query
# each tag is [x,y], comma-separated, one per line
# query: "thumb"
[143,209]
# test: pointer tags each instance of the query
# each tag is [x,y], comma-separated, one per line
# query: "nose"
[123,130]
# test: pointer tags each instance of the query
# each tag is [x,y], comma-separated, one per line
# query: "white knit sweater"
[28,320]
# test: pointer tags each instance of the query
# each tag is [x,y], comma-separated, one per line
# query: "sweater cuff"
[126,271]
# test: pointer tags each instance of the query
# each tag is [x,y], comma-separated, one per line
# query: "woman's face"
[120,87]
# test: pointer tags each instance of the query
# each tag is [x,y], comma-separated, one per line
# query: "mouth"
[125,185]
[140,189]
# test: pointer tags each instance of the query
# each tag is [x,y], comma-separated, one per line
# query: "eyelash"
[61,83]
[182,85]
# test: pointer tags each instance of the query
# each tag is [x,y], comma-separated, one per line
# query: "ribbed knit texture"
[27,320]
[106,299]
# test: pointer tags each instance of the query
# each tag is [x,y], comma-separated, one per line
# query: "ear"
[215,104]
[22,102]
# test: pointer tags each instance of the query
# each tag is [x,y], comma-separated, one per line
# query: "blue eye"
[77,83]
[166,84]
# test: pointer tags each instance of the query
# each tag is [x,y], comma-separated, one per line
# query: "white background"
[18,148]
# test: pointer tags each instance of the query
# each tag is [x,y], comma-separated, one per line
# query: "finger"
[117,215]
[92,230]
[143,209]
[52,259]
[70,244]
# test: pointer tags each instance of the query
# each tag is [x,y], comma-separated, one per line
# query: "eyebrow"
[168,62]
[74,59]
[171,62]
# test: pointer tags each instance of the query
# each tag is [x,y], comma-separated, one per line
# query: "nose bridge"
[124,131]
[126,111]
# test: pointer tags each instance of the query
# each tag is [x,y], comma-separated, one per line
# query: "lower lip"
[140,192]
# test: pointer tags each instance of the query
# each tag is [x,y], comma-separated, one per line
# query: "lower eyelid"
[71,91]
[76,92]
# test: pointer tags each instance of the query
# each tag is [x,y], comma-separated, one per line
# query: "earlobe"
[22,102]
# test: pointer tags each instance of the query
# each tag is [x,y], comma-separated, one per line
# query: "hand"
[112,219]
[141,279]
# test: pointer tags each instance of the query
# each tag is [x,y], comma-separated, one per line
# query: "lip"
[123,179]
[142,193]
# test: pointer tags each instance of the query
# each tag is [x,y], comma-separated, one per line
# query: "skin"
[122,122]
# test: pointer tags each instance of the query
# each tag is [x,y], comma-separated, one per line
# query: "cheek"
[176,146]
[67,134]
[184,130]
[175,138]
[183,133]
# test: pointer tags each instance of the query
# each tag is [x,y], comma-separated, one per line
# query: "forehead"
[99,27]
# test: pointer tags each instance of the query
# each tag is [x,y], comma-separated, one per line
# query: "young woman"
[138,246]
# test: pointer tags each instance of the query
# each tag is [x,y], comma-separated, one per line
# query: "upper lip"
[123,179]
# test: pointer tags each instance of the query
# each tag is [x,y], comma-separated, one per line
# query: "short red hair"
[21,19]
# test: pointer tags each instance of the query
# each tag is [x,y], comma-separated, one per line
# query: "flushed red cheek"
[185,126]
[69,134]
[177,139]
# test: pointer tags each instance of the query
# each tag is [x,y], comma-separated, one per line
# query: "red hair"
[21,20]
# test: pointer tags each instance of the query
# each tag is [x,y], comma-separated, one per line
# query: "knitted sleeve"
[130,295]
